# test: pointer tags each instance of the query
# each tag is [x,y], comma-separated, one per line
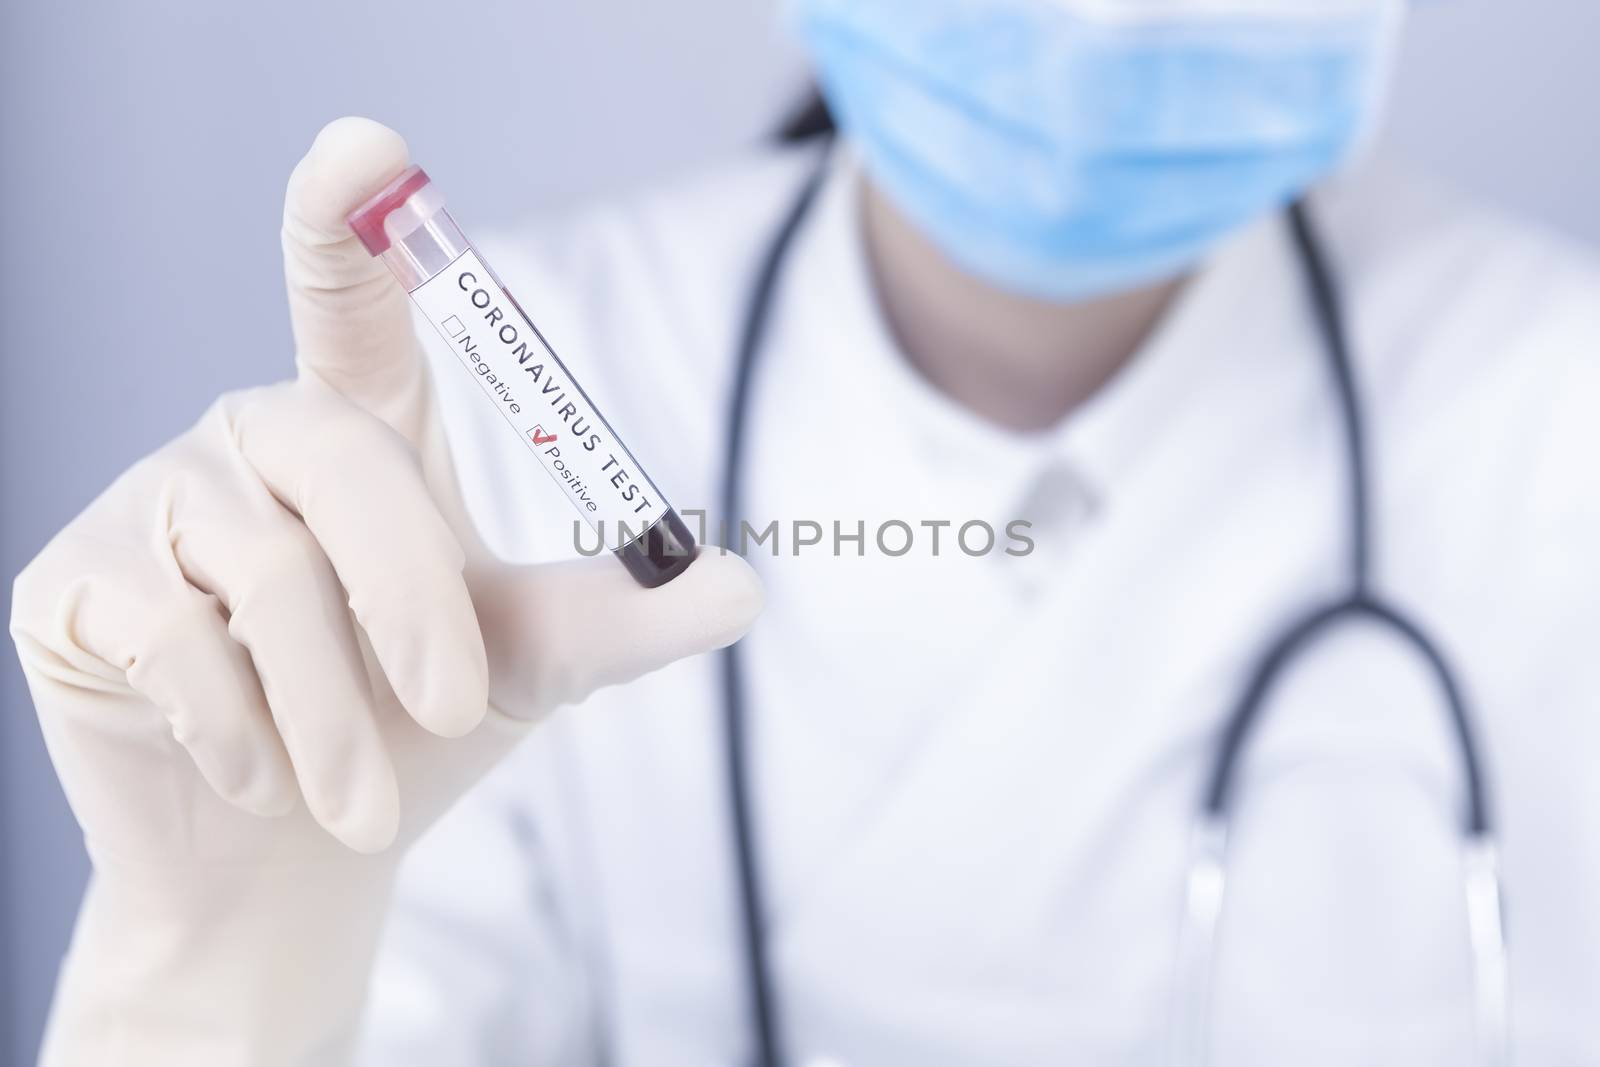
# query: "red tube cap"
[367,220]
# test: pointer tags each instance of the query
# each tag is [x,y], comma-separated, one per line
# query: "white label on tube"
[541,404]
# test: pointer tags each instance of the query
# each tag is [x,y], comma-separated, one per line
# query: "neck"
[1020,362]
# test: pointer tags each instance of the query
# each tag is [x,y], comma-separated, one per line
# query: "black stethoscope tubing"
[1357,601]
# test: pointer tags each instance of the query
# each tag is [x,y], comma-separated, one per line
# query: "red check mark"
[540,437]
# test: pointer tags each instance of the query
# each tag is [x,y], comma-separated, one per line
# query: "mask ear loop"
[1207,880]
[1388,26]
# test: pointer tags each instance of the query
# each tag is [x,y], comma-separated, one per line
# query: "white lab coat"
[975,777]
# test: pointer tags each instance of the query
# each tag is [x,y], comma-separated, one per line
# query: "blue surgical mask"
[1066,149]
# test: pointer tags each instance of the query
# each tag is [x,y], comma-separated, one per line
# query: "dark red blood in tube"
[661,553]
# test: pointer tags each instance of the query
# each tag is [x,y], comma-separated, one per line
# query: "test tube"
[491,338]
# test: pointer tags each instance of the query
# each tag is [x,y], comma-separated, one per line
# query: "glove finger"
[286,606]
[556,632]
[122,616]
[352,326]
[206,685]
[360,491]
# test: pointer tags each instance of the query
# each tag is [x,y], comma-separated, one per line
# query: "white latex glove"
[275,648]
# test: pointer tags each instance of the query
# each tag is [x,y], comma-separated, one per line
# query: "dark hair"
[808,121]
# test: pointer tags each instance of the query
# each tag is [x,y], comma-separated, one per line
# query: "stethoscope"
[1207,876]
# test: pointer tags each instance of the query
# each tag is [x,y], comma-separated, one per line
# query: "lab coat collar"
[1105,439]
[1237,307]
[992,464]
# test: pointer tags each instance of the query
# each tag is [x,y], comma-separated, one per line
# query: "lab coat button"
[1055,507]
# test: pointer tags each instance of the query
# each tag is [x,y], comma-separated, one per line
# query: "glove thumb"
[556,632]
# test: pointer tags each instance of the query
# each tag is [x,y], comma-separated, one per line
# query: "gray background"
[143,149]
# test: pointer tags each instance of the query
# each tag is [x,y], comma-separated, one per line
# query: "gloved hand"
[275,650]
